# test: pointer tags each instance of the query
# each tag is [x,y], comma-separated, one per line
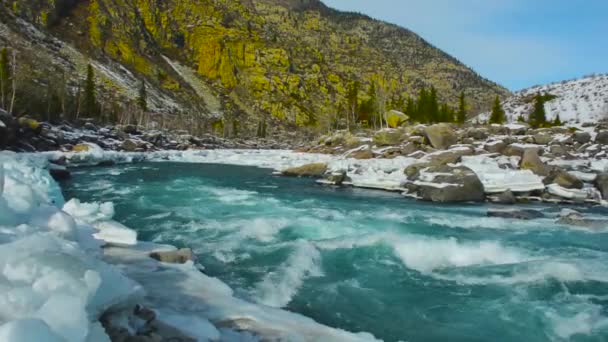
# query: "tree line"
[536,119]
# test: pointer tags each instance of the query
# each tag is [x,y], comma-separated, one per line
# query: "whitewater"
[284,258]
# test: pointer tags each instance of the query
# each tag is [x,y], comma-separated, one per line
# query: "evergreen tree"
[557,121]
[410,109]
[498,114]
[422,107]
[538,117]
[5,78]
[353,103]
[142,99]
[433,106]
[461,115]
[446,114]
[90,102]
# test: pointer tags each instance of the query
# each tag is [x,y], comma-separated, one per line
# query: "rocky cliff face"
[223,64]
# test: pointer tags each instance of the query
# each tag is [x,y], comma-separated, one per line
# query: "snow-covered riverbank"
[57,281]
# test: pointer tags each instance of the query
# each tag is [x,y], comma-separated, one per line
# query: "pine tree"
[422,107]
[410,109]
[433,106]
[5,78]
[90,102]
[557,121]
[445,113]
[498,114]
[538,117]
[461,115]
[142,99]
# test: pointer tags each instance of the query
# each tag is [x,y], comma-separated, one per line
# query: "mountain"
[222,64]
[579,101]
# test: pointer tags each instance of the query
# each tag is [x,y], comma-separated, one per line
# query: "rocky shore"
[499,163]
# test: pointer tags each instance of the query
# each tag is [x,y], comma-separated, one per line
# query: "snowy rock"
[566,180]
[531,161]
[601,182]
[497,146]
[440,136]
[308,170]
[582,137]
[180,256]
[449,184]
[506,197]
[129,145]
[571,194]
[602,138]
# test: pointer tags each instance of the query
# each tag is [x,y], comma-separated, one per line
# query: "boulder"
[531,161]
[413,171]
[567,180]
[478,133]
[440,136]
[180,256]
[416,139]
[601,183]
[338,178]
[518,214]
[395,118]
[450,185]
[582,137]
[388,137]
[59,172]
[308,170]
[449,157]
[506,197]
[362,154]
[81,148]
[602,138]
[542,138]
[129,145]
[495,146]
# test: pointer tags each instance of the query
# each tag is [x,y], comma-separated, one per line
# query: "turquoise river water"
[364,260]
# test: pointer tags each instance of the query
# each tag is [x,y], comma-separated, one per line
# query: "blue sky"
[517,43]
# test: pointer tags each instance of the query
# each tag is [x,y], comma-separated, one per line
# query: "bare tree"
[13,81]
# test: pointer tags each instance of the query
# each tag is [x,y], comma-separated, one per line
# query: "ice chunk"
[28,330]
[115,233]
[89,212]
[196,327]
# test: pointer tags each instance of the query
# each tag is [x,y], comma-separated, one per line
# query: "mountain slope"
[223,63]
[584,100]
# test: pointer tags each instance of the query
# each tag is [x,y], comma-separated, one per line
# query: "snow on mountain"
[577,101]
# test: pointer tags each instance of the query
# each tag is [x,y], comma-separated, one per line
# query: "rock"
[412,171]
[129,145]
[388,137]
[180,256]
[130,129]
[601,183]
[144,313]
[519,214]
[542,139]
[506,197]
[478,133]
[531,161]
[395,118]
[440,136]
[567,180]
[495,146]
[338,178]
[582,137]
[449,157]
[451,184]
[602,138]
[558,150]
[362,154]
[416,139]
[81,148]
[574,218]
[309,170]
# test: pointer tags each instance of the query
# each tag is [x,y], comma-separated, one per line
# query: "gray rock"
[412,171]
[602,138]
[309,170]
[338,178]
[440,136]
[180,256]
[449,157]
[519,214]
[542,138]
[581,137]
[129,145]
[574,218]
[478,133]
[495,147]
[531,161]
[601,183]
[506,197]
[567,180]
[461,185]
